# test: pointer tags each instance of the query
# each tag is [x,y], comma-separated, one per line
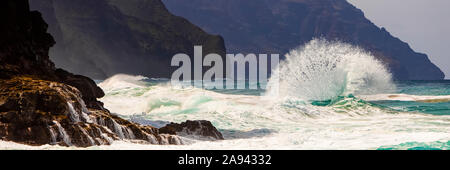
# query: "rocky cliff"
[104,37]
[277,26]
[43,105]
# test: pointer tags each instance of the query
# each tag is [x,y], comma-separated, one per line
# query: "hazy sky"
[423,24]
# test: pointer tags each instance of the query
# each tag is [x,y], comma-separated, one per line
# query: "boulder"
[91,92]
[200,128]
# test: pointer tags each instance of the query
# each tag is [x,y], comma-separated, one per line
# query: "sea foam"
[324,70]
[297,119]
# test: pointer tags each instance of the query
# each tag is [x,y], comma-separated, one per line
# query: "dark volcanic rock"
[195,128]
[100,38]
[24,42]
[40,105]
[38,112]
[277,26]
[43,105]
[25,46]
[91,92]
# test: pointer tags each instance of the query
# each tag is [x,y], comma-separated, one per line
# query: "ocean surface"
[326,95]
[414,116]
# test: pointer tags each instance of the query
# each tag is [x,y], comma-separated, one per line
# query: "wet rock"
[199,128]
[39,112]
[42,105]
[91,92]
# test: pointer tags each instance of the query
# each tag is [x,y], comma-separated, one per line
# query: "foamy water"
[323,70]
[323,103]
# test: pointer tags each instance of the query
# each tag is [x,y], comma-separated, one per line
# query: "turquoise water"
[439,108]
[324,95]
[438,145]
[298,124]
[432,88]
[416,88]
[421,88]
[427,88]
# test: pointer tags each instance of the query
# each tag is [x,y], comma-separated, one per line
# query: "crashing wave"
[122,81]
[323,70]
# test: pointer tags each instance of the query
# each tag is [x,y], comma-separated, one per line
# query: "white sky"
[423,24]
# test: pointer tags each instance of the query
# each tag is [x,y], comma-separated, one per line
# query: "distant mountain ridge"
[277,26]
[100,38]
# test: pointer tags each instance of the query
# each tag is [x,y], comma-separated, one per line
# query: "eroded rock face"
[39,112]
[200,128]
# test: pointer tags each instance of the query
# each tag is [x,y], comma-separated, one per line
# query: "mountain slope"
[104,37]
[276,26]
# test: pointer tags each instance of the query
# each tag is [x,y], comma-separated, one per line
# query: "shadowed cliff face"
[43,105]
[24,42]
[104,37]
[24,50]
[277,26]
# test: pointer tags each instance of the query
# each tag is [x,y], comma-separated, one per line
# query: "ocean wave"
[327,112]
[436,145]
[122,81]
[323,70]
[406,97]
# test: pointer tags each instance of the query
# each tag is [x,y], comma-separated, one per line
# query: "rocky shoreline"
[40,104]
